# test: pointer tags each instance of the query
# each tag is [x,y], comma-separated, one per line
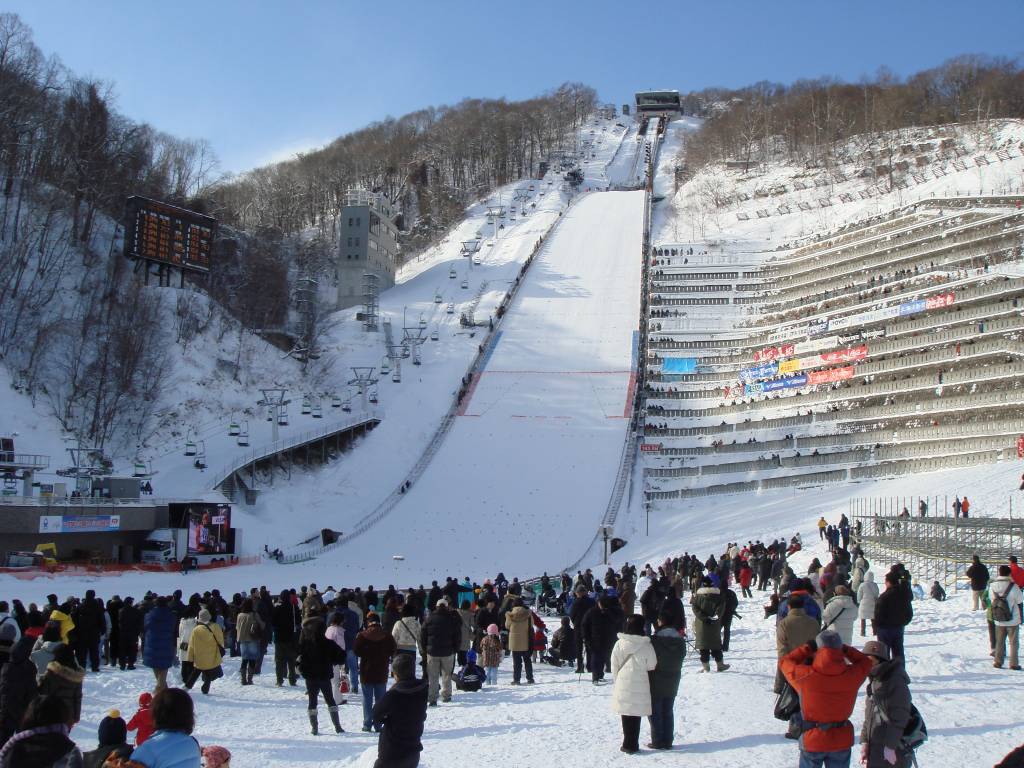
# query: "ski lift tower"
[274,399]
[363,378]
[305,295]
[494,213]
[371,301]
[81,469]
[414,339]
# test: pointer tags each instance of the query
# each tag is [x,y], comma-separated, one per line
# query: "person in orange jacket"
[827,676]
[142,721]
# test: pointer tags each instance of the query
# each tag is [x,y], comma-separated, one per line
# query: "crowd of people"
[631,624]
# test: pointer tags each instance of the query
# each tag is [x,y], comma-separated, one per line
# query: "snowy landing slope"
[531,461]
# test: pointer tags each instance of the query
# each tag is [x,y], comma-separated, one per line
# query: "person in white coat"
[632,658]
[840,614]
[188,622]
[1005,617]
[867,594]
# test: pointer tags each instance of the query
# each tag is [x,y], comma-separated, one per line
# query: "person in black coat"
[317,658]
[893,612]
[563,642]
[399,715]
[17,687]
[112,651]
[673,606]
[728,614]
[580,607]
[650,604]
[89,627]
[286,620]
[980,576]
[484,618]
[129,621]
[441,632]
[600,628]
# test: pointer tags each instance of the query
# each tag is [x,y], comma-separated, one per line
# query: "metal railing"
[267,450]
[33,461]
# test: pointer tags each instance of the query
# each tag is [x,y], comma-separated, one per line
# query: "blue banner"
[762,371]
[679,365]
[912,307]
[790,382]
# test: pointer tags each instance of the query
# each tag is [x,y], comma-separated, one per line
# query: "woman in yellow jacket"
[205,651]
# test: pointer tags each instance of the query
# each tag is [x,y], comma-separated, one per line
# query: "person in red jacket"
[1016,572]
[827,675]
[142,721]
[746,576]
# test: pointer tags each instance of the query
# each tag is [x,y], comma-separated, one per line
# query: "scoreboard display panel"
[167,234]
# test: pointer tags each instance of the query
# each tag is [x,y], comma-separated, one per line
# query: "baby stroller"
[549,604]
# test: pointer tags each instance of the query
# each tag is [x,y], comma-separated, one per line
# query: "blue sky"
[261,80]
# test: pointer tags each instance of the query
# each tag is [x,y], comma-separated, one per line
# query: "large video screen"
[167,234]
[209,529]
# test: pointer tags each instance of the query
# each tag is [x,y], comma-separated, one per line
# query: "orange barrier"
[93,569]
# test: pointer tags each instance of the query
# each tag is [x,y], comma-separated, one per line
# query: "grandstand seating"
[928,290]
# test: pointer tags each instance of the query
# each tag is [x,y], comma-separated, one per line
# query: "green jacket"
[670,648]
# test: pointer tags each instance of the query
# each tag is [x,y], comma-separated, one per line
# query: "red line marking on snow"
[629,395]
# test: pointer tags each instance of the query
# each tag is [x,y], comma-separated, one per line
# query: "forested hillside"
[431,162]
[804,121]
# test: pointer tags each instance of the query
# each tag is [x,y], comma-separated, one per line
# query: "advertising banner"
[813,345]
[942,300]
[759,372]
[789,366]
[912,307]
[650,447]
[79,523]
[679,365]
[847,355]
[830,375]
[791,382]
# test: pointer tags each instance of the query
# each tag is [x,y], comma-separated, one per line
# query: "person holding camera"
[827,676]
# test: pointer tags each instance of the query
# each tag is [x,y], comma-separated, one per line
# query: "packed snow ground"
[972,710]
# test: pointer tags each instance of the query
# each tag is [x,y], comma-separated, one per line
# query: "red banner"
[830,375]
[786,350]
[768,354]
[941,300]
[1020,447]
[846,355]
[650,447]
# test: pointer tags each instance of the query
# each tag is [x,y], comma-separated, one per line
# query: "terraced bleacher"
[887,348]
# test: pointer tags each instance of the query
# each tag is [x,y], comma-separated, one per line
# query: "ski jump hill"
[530,462]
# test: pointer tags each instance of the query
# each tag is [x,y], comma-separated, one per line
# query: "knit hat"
[113,730]
[829,639]
[204,616]
[145,699]
[877,649]
[492,629]
[216,757]
[443,602]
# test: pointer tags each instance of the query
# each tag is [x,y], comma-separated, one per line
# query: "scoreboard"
[166,234]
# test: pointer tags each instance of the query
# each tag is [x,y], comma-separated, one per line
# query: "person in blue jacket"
[159,636]
[172,745]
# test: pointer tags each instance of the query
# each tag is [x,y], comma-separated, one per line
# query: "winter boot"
[334,719]
[705,666]
[244,670]
[721,666]
[313,722]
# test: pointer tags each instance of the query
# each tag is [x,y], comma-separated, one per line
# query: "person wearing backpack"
[887,711]
[1006,600]
[979,575]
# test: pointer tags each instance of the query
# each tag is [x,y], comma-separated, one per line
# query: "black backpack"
[1000,606]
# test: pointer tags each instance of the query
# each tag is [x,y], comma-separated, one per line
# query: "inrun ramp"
[522,480]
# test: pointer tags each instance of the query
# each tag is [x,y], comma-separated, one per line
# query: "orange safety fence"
[111,569]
